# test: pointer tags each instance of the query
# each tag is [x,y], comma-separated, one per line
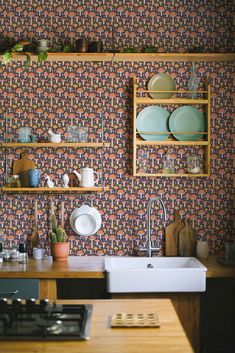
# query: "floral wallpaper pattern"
[99,95]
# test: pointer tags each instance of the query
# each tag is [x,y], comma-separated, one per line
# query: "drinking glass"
[24,134]
[142,161]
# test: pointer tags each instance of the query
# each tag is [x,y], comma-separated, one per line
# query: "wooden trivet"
[134,320]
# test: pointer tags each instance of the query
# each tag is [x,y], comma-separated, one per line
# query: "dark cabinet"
[23,288]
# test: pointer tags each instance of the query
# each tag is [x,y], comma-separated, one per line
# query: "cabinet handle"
[8,294]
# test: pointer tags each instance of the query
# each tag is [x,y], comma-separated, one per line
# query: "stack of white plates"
[85,220]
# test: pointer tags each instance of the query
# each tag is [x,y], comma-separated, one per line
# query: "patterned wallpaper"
[94,94]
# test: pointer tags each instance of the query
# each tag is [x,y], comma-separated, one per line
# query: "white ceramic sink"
[155,274]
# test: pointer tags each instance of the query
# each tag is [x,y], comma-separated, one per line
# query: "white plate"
[161,82]
[85,220]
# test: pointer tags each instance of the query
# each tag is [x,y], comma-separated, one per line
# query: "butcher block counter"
[48,271]
[170,337]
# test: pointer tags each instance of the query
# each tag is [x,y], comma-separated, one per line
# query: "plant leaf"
[67,48]
[42,56]
[17,48]
[6,57]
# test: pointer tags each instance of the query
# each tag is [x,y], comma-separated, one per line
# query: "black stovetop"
[28,320]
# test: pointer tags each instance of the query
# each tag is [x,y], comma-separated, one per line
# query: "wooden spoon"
[35,236]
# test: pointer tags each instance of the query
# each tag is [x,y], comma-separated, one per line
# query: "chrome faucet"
[149,248]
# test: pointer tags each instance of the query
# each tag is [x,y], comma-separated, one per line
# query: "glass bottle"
[1,254]
[193,82]
[23,258]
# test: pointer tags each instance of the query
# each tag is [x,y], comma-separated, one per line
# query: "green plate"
[187,119]
[161,82]
[153,119]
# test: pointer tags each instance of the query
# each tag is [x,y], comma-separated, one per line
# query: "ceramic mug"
[38,253]
[202,249]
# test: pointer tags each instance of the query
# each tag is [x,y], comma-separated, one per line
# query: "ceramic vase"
[202,249]
[60,251]
[34,178]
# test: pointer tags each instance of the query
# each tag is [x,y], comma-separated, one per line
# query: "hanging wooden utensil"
[172,235]
[35,236]
[62,214]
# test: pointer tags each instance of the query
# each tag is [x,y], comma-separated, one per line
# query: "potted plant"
[59,242]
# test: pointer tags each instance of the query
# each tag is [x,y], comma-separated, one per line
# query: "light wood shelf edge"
[141,142]
[54,145]
[171,101]
[45,189]
[171,57]
[210,57]
[171,175]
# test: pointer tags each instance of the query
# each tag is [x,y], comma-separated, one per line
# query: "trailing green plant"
[42,56]
[56,234]
[150,49]
[7,55]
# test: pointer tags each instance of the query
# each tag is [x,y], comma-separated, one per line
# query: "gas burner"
[49,326]
[27,320]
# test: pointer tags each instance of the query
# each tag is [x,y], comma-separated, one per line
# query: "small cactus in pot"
[59,243]
[57,234]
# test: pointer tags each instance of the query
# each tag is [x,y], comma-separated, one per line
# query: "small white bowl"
[56,138]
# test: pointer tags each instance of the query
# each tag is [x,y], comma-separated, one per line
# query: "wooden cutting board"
[23,164]
[35,236]
[172,235]
[187,241]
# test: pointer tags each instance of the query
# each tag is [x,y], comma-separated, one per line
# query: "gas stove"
[31,320]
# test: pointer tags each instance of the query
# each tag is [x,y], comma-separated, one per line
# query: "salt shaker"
[23,259]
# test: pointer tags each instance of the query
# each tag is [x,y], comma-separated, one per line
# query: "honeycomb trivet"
[134,320]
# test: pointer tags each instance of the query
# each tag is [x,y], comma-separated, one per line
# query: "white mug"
[38,253]
[87,177]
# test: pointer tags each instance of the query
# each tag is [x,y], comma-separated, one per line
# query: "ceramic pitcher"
[86,177]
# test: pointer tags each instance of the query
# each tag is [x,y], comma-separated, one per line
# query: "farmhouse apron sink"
[154,274]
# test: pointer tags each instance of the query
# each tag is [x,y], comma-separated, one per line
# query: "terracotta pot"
[60,251]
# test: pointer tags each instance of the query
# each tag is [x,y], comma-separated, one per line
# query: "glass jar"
[13,181]
[168,164]
[193,164]
[142,161]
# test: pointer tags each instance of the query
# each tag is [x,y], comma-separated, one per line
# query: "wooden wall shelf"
[56,190]
[170,175]
[54,145]
[171,57]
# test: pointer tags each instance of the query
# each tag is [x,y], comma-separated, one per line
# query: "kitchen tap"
[149,248]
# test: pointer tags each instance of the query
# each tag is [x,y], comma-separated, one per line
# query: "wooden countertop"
[85,267]
[170,337]
[214,269]
[76,267]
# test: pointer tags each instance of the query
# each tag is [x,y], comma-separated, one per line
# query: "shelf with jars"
[186,127]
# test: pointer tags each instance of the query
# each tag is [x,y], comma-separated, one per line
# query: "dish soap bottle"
[193,82]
